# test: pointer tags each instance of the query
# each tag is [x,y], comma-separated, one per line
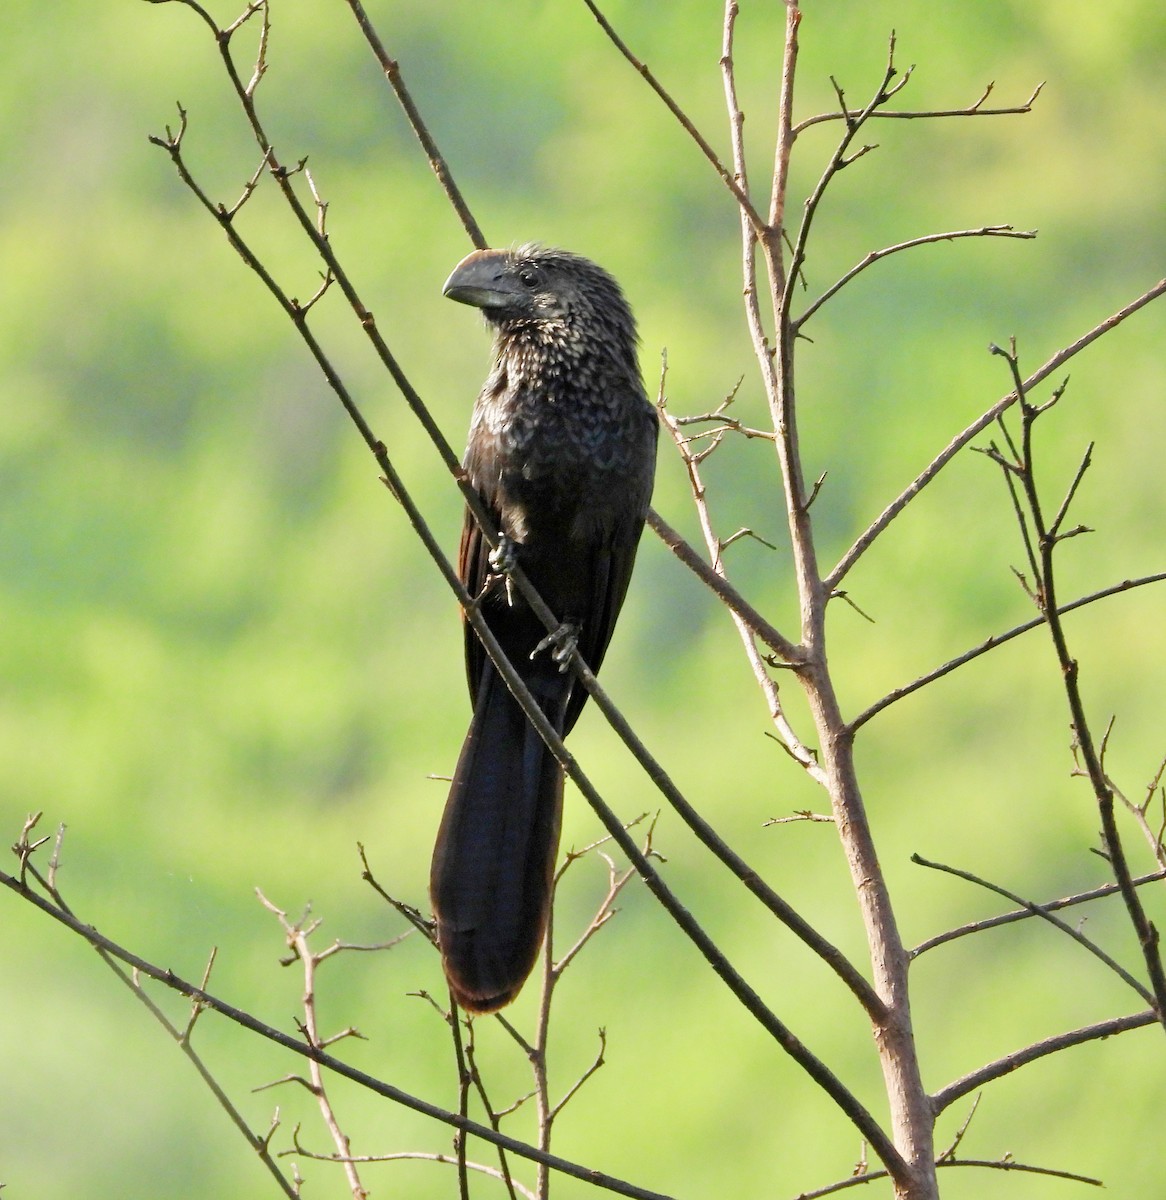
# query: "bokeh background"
[225,661]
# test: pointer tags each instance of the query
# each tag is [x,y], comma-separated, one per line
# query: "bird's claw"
[562,643]
[504,556]
[503,559]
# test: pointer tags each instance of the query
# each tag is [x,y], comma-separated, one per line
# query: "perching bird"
[562,451]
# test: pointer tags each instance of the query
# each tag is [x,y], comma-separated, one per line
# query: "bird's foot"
[561,642]
[503,559]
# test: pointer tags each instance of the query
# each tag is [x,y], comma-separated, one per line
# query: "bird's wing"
[473,568]
[610,573]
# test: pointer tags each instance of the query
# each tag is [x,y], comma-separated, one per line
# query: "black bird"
[562,451]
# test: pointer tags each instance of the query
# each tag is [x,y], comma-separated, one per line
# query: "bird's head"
[537,286]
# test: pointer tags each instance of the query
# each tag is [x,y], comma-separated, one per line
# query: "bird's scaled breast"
[547,432]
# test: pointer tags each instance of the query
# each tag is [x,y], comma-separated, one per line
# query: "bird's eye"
[528,277]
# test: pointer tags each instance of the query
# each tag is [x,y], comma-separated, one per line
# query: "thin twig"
[24,848]
[1023,914]
[573,1090]
[297,934]
[1041,911]
[298,1046]
[995,640]
[682,118]
[976,1079]
[1004,231]
[994,1164]
[801,753]
[949,1154]
[411,1156]
[468,1074]
[1154,838]
[552,973]
[392,72]
[465,1073]
[1055,362]
[1045,585]
[838,161]
[971,110]
[779,187]
[426,928]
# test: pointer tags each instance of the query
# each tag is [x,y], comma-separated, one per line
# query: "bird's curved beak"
[480,279]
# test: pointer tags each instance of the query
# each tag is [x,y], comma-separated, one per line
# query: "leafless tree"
[775,238]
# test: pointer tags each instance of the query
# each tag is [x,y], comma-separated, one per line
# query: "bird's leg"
[562,643]
[503,559]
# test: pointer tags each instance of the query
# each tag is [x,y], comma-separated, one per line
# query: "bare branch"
[998,1164]
[838,161]
[409,1156]
[1004,231]
[734,601]
[998,640]
[392,72]
[469,1074]
[1153,837]
[785,135]
[1044,580]
[1022,914]
[971,110]
[57,907]
[1062,512]
[419,923]
[680,115]
[788,735]
[296,934]
[799,818]
[379,1087]
[1052,1045]
[1038,910]
[573,1090]
[1062,356]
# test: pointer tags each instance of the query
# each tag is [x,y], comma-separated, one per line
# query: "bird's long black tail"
[493,863]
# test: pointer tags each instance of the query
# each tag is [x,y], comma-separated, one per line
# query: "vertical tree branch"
[1047,537]
[911,1113]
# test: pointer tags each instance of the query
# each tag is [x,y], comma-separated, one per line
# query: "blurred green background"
[225,661]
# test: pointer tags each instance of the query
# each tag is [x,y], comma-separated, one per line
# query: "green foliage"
[226,661]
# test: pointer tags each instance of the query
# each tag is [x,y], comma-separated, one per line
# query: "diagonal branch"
[1039,910]
[1045,588]
[1062,356]
[681,116]
[24,849]
[1022,914]
[995,640]
[720,586]
[172,143]
[392,72]
[1052,1045]
[1005,231]
[209,1001]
